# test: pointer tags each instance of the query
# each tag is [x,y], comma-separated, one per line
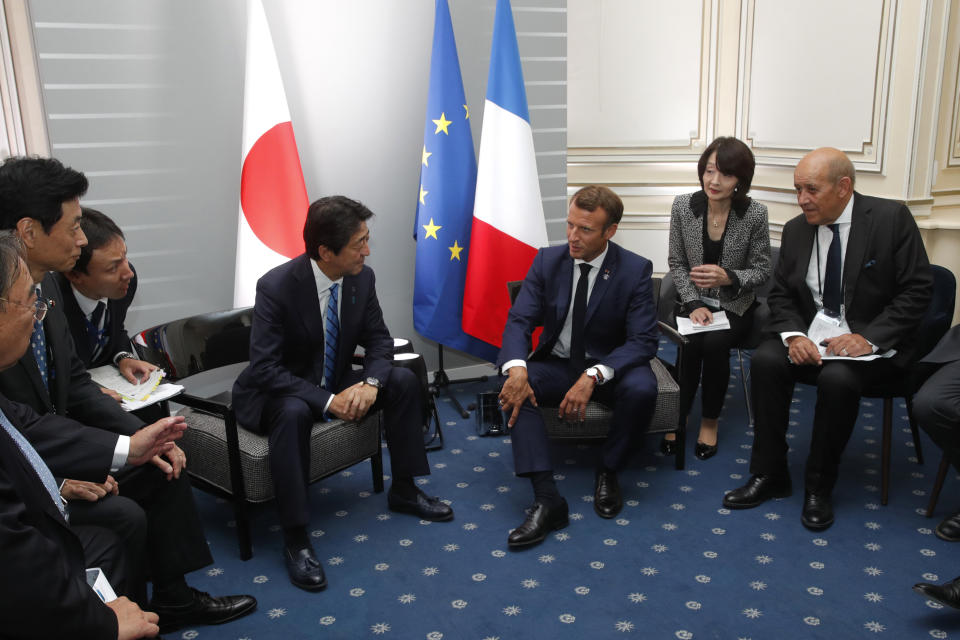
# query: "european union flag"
[448,177]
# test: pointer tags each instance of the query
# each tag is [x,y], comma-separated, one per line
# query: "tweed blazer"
[745,255]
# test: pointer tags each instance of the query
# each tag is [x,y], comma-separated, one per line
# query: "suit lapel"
[305,290]
[860,229]
[564,291]
[806,239]
[608,270]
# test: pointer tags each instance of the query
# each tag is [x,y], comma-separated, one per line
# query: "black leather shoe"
[304,569]
[947,593]
[203,609]
[949,529]
[668,447]
[541,520]
[704,451]
[759,489]
[607,500]
[817,511]
[423,506]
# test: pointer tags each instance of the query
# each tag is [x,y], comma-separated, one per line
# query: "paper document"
[161,393]
[866,358]
[720,322]
[109,376]
[100,585]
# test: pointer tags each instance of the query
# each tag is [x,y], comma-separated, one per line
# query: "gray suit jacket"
[746,250]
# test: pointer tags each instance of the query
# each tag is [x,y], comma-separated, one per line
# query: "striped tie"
[331,338]
[43,471]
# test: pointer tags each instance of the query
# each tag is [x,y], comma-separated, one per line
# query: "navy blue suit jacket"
[621,317]
[286,339]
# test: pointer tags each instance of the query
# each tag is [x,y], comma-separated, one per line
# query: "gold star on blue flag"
[444,219]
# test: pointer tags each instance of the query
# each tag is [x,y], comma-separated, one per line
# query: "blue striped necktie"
[43,471]
[331,338]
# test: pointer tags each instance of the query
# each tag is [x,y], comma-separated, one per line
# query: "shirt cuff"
[120,453]
[326,407]
[606,371]
[509,364]
[789,334]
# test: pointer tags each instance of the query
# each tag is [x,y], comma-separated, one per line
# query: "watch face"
[373,382]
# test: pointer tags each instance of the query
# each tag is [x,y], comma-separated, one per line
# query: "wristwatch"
[373,382]
[594,373]
[123,355]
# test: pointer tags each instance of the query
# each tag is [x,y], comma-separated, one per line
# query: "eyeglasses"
[39,307]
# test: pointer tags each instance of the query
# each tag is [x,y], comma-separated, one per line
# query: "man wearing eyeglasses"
[150,507]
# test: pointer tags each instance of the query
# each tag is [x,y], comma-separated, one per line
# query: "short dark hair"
[734,158]
[594,196]
[331,222]
[35,187]
[100,230]
[11,261]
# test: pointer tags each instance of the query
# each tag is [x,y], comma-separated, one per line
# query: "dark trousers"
[174,544]
[632,395]
[103,549]
[936,408]
[839,385]
[288,421]
[710,353]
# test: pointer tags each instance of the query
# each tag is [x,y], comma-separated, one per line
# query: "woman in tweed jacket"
[719,254]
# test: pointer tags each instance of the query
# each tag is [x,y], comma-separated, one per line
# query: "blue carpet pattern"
[674,564]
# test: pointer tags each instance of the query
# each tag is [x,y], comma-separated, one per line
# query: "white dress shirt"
[561,348]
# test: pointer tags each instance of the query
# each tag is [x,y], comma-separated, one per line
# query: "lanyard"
[843,285]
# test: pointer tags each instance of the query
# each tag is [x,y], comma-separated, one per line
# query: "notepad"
[720,322]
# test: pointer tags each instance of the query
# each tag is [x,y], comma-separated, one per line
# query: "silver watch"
[373,382]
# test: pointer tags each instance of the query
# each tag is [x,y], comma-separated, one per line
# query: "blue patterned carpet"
[675,564]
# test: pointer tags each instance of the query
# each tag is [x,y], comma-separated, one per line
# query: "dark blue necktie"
[330,339]
[97,336]
[43,471]
[38,344]
[578,351]
[832,280]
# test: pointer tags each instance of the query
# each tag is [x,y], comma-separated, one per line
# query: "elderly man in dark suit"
[40,203]
[43,588]
[595,302]
[852,268]
[310,315]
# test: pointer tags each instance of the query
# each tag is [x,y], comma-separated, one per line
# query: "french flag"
[508,224]
[273,197]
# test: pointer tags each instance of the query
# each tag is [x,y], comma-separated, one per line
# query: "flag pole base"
[442,382]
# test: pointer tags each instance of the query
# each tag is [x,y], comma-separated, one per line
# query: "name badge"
[711,302]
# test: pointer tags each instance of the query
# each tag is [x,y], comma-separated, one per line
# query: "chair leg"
[938,485]
[744,382]
[885,451]
[243,528]
[914,430]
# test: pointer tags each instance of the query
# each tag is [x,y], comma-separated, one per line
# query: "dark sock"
[404,488]
[173,592]
[545,488]
[295,538]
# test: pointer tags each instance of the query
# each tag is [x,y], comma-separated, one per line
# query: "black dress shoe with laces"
[304,569]
[540,521]
[668,447]
[947,593]
[817,511]
[202,609]
[759,489]
[949,529]
[423,506]
[704,451]
[607,500]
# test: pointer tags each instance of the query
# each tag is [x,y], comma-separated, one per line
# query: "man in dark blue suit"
[595,302]
[310,315]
